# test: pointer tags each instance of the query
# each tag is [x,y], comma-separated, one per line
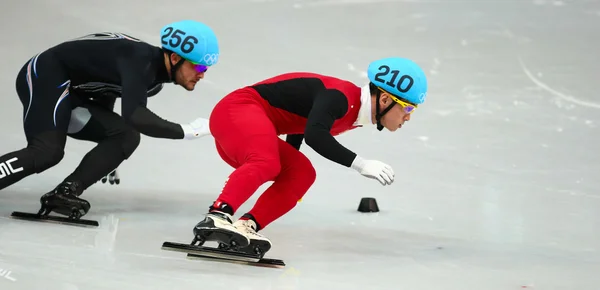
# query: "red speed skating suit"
[247,122]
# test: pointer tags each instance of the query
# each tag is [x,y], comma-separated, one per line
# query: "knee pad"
[130,141]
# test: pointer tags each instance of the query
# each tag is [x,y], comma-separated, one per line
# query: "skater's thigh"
[244,132]
[43,87]
[91,121]
[224,156]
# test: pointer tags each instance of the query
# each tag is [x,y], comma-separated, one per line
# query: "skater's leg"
[43,89]
[296,177]
[250,142]
[225,157]
[247,140]
[116,142]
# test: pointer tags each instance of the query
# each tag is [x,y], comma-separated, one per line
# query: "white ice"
[497,174]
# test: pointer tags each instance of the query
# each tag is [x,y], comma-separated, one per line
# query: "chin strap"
[379,114]
[174,67]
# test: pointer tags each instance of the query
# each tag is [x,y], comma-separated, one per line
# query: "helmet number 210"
[175,35]
[384,70]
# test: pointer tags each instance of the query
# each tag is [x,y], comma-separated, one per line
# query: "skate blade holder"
[207,253]
[53,219]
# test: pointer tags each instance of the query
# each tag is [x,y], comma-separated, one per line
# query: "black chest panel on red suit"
[313,106]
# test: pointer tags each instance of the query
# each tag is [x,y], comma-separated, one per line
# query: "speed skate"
[197,250]
[237,242]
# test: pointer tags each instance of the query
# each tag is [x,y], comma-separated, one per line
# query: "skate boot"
[64,200]
[217,226]
[259,244]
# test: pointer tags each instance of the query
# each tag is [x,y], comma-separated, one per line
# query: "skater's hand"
[374,169]
[196,129]
[113,178]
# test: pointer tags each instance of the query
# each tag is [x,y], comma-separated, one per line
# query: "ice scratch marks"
[434,70]
[422,17]
[595,13]
[478,101]
[344,2]
[547,2]
[552,91]
[573,192]
[436,64]
[360,73]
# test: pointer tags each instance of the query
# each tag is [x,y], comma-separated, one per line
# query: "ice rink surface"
[496,175]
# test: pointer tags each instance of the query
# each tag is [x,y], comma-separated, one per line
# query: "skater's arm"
[295,140]
[329,106]
[134,99]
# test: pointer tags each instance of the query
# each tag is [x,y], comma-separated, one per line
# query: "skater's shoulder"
[109,43]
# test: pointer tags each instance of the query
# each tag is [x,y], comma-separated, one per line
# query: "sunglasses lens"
[409,109]
[201,68]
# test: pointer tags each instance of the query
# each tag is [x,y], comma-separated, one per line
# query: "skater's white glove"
[113,178]
[196,129]
[374,169]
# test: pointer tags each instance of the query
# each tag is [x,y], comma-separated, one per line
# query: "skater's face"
[397,115]
[188,74]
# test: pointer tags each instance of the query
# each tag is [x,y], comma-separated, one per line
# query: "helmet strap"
[174,67]
[378,113]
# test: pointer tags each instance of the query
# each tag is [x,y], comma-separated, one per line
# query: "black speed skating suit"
[70,89]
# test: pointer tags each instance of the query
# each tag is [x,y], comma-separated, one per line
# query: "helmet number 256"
[175,39]
[384,70]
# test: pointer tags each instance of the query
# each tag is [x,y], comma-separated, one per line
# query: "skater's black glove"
[113,178]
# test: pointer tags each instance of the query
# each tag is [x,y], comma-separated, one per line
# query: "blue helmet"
[192,40]
[400,77]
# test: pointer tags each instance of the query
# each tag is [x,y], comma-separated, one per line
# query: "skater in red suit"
[304,106]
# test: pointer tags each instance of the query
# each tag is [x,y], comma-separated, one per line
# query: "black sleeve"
[295,140]
[328,106]
[134,99]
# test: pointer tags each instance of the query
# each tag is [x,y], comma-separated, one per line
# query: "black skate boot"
[217,226]
[64,200]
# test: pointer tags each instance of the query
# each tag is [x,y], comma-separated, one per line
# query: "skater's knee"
[267,167]
[311,175]
[45,158]
[46,150]
[304,176]
[307,179]
[305,171]
[130,142]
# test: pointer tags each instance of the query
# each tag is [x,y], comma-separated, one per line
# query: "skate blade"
[264,262]
[54,219]
[208,251]
[202,252]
